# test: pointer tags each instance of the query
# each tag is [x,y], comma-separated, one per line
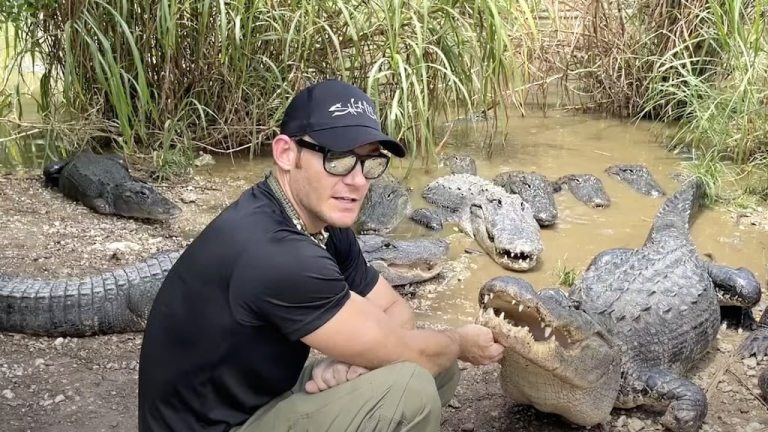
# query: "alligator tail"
[679,211]
[116,301]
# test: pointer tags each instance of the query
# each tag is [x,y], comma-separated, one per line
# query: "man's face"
[327,199]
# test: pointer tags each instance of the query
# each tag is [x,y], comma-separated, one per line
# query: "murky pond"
[554,146]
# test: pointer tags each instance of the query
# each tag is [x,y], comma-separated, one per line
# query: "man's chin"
[344,221]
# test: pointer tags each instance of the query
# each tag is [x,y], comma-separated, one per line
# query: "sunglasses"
[341,163]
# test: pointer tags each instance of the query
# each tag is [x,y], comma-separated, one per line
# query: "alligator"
[638,177]
[625,333]
[386,204]
[502,223]
[584,187]
[403,262]
[104,184]
[119,300]
[756,344]
[459,163]
[534,189]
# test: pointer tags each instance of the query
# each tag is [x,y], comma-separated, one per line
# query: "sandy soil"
[90,384]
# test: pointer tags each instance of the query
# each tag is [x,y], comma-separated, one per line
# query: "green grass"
[170,77]
[157,75]
[566,276]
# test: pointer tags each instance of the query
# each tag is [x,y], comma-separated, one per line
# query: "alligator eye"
[577,180]
[527,185]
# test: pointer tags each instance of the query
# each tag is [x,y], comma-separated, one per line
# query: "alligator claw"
[738,317]
[756,344]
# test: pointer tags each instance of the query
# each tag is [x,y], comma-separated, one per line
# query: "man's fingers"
[327,374]
[318,376]
[340,372]
[355,371]
[311,387]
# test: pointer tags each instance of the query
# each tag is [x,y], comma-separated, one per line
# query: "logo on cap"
[353,108]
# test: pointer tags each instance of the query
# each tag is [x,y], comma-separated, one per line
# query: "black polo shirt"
[222,338]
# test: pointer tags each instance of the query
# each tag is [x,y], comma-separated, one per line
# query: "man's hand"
[477,345]
[329,373]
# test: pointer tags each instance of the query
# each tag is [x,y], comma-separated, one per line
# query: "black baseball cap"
[337,116]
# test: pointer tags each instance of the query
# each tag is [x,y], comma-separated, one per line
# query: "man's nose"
[356,177]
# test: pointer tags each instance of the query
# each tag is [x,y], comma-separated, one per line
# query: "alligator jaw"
[521,321]
[555,358]
[403,274]
[517,261]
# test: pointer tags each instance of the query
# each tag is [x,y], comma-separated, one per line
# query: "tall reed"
[159,74]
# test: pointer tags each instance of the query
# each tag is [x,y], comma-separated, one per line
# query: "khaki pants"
[398,397]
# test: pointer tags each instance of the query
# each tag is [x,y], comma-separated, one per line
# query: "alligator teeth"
[486,298]
[541,324]
[520,308]
[514,302]
[501,315]
[547,331]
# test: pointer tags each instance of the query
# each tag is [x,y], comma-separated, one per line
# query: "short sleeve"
[345,249]
[287,281]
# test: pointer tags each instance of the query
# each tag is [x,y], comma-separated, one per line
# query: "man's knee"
[419,396]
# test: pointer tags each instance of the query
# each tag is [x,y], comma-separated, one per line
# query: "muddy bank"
[89,384]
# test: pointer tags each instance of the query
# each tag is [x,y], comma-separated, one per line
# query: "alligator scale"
[627,331]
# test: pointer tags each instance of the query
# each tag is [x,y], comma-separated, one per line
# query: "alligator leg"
[686,402]
[98,204]
[738,291]
[757,342]
[430,218]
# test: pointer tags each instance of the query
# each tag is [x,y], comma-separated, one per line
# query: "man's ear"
[284,152]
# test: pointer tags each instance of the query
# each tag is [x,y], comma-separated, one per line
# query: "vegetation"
[167,77]
[566,276]
[699,64]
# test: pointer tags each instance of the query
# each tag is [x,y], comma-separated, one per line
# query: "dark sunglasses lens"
[375,167]
[339,163]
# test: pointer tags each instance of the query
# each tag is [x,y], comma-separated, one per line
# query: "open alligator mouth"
[556,358]
[373,231]
[522,319]
[424,270]
[519,260]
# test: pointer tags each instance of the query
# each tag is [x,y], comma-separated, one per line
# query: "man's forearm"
[400,313]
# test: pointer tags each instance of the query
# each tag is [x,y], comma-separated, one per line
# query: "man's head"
[329,148]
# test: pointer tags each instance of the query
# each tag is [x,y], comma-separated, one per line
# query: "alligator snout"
[638,177]
[515,303]
[140,200]
[516,260]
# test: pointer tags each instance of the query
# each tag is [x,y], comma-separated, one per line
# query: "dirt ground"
[90,384]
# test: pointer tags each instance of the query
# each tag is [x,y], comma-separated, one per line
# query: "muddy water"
[555,146]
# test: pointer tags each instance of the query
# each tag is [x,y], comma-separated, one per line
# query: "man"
[280,271]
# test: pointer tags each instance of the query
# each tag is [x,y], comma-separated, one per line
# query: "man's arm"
[393,304]
[362,334]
